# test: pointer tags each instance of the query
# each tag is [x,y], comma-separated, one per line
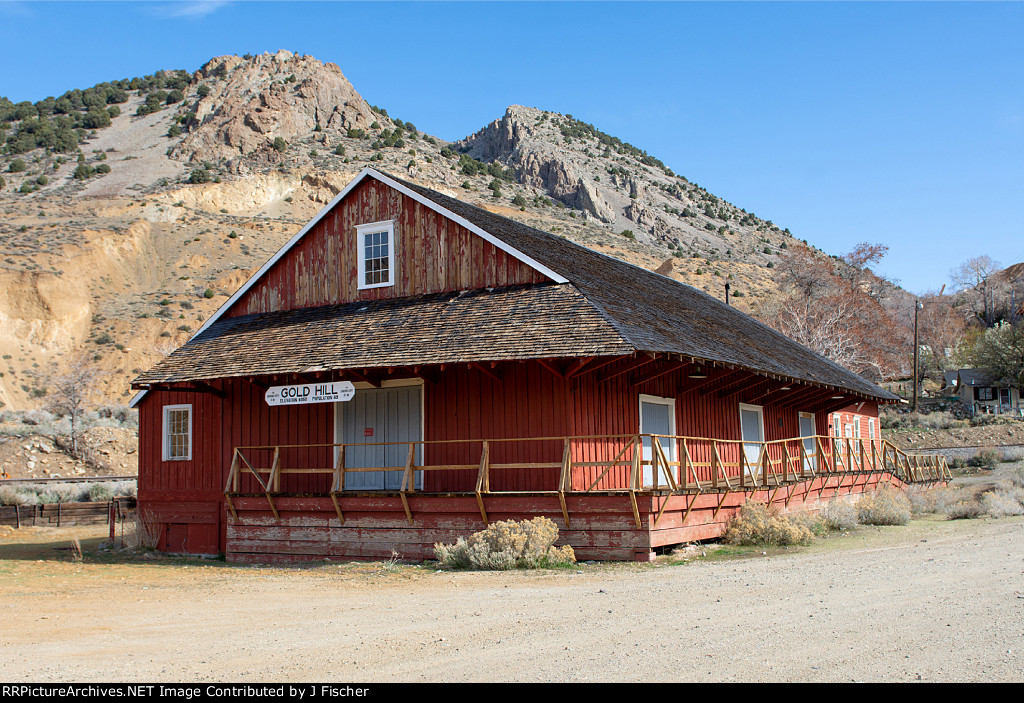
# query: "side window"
[375,251]
[177,435]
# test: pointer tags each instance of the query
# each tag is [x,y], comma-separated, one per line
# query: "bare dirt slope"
[935,601]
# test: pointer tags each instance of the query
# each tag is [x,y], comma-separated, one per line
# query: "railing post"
[638,452]
[236,472]
[684,467]
[655,460]
[275,472]
[565,480]
[483,480]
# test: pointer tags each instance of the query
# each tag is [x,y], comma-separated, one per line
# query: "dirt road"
[933,601]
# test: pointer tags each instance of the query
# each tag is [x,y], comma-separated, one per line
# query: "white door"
[373,416]
[657,416]
[807,431]
[752,429]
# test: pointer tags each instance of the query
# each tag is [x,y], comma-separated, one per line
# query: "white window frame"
[648,452]
[670,403]
[762,443]
[812,451]
[871,429]
[166,435]
[387,226]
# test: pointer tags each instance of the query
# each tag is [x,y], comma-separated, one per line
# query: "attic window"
[376,254]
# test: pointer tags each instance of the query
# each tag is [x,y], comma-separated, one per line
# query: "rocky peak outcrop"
[253,101]
[521,139]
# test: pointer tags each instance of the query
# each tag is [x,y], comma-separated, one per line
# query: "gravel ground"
[935,601]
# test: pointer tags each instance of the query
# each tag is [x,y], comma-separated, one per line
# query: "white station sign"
[339,391]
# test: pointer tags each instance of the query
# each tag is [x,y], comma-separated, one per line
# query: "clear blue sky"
[894,123]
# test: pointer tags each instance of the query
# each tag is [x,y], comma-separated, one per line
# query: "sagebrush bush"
[1017,476]
[966,509]
[102,492]
[1009,454]
[1003,503]
[985,458]
[812,522]
[9,495]
[937,500]
[47,493]
[886,506]
[839,515]
[527,544]
[758,524]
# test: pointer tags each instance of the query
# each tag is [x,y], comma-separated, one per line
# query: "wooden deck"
[656,497]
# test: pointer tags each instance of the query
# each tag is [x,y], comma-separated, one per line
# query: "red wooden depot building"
[409,368]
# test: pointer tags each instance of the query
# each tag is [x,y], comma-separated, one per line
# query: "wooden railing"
[637,463]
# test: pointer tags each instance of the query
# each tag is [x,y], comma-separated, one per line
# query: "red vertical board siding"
[432,253]
[470,404]
[155,474]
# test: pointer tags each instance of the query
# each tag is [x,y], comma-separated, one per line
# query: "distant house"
[981,393]
[410,368]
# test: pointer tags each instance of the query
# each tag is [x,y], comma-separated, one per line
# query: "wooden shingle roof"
[597,306]
[516,322]
[658,314]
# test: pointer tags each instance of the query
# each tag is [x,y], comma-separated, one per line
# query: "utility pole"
[917,306]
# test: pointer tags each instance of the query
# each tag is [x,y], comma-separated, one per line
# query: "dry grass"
[528,544]
[141,533]
[963,504]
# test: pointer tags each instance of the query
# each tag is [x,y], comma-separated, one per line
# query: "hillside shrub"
[886,506]
[966,509]
[986,458]
[1003,503]
[17,166]
[839,515]
[280,144]
[758,524]
[527,544]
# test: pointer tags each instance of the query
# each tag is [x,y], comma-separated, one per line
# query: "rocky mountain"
[134,208]
[619,185]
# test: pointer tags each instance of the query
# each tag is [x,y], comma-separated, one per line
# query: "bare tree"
[974,279]
[70,392]
[834,314]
